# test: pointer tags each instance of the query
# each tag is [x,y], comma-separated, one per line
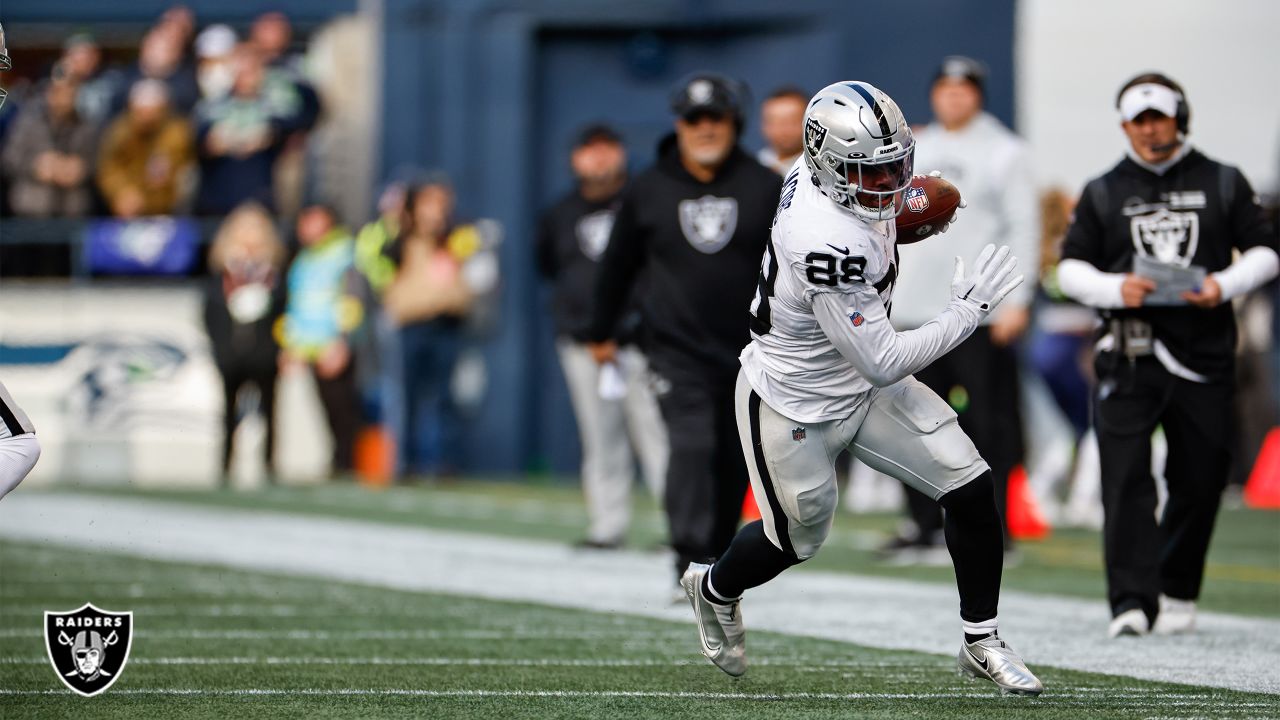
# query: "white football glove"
[988,283]
[954,216]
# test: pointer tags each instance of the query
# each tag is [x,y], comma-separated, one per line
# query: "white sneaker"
[1177,617]
[723,638]
[1129,623]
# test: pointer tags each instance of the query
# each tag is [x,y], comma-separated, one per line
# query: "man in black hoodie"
[697,222]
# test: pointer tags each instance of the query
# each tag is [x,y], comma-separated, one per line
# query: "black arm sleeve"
[618,270]
[1249,224]
[1084,237]
[545,248]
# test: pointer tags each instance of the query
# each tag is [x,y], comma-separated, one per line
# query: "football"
[930,202]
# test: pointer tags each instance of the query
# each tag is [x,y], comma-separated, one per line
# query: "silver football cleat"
[720,630]
[992,659]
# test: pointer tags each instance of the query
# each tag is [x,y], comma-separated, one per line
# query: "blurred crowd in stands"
[213,124]
[196,125]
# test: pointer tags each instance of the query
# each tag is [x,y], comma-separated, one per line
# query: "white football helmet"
[859,149]
[5,63]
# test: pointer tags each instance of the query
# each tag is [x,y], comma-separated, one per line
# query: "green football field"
[217,641]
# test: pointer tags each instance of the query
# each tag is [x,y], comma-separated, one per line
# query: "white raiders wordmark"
[708,222]
[88,647]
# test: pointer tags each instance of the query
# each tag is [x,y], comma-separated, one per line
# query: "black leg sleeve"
[750,561]
[976,543]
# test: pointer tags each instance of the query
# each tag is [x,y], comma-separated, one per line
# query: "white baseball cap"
[215,41]
[1149,96]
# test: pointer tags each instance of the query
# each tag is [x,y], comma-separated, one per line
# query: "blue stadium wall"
[491,91]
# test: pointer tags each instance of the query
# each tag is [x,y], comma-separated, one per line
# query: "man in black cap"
[697,223]
[614,405]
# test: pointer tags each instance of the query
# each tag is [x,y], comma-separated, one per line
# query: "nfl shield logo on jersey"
[798,434]
[88,647]
[917,199]
[857,319]
[708,222]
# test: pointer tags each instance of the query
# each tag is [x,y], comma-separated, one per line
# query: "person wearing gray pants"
[617,413]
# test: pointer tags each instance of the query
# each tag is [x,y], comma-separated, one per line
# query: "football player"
[825,371]
[19,449]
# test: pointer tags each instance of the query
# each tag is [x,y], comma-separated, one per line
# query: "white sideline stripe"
[1230,651]
[1163,699]
[618,635]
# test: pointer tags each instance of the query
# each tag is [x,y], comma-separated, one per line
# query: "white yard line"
[1230,651]
[1163,699]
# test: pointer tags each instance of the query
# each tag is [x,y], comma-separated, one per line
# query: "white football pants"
[18,454]
[905,431]
[609,431]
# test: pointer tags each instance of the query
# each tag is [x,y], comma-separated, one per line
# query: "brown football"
[930,202]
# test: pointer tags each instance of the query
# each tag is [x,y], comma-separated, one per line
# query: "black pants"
[342,409]
[985,377]
[706,474]
[1145,558]
[235,377]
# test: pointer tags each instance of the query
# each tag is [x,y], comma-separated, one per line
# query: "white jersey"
[816,247]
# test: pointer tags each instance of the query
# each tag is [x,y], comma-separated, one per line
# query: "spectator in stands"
[81,63]
[239,139]
[180,22]
[613,417]
[429,300]
[146,160]
[378,269]
[215,58]
[293,102]
[162,58]
[244,298]
[49,157]
[782,124]
[323,309]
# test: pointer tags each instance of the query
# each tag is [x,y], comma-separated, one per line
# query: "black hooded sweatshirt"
[700,245]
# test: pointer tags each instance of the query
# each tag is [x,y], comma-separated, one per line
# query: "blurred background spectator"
[244,299]
[782,124]
[49,156]
[162,57]
[146,159]
[239,137]
[323,309]
[97,85]
[614,404]
[429,300]
[979,378]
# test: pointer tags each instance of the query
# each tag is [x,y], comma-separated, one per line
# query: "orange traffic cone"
[1262,491]
[1026,522]
[750,512]
[375,456]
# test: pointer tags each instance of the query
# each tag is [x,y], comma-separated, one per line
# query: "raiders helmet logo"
[708,222]
[593,233]
[814,134]
[88,647]
[1167,236]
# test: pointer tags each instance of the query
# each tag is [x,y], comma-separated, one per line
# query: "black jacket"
[701,245]
[572,237]
[1207,208]
[242,347]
